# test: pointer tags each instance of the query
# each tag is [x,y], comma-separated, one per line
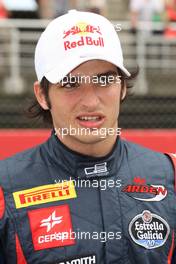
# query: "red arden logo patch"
[157,192]
[51,227]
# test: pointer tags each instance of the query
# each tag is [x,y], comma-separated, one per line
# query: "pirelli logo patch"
[45,194]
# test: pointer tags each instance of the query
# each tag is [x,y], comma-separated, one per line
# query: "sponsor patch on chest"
[80,260]
[141,191]
[149,230]
[51,227]
[44,194]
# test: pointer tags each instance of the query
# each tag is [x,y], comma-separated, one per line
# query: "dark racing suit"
[58,206]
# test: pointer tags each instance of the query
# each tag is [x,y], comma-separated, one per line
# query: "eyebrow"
[98,75]
[108,73]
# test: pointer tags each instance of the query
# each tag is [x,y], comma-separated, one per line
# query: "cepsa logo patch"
[45,194]
[83,29]
[51,227]
[141,191]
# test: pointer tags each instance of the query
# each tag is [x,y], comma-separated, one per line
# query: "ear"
[40,96]
[123,91]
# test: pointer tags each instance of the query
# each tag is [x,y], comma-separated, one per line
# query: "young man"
[85,196]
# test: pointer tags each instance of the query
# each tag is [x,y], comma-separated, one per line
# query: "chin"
[90,139]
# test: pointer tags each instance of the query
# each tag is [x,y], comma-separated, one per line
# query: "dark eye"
[107,80]
[104,80]
[69,83]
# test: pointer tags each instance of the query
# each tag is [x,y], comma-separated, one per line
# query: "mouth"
[91,121]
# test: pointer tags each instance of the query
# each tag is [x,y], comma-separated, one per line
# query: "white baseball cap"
[72,39]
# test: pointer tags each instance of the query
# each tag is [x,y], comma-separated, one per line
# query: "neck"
[96,149]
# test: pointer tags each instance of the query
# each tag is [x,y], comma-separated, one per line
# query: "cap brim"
[57,74]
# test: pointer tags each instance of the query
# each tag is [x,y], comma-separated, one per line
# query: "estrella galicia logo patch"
[149,230]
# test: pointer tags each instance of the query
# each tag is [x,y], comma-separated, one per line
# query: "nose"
[89,97]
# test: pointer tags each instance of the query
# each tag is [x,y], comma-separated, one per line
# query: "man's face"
[88,104]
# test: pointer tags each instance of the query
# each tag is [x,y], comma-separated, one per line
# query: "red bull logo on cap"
[83,29]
